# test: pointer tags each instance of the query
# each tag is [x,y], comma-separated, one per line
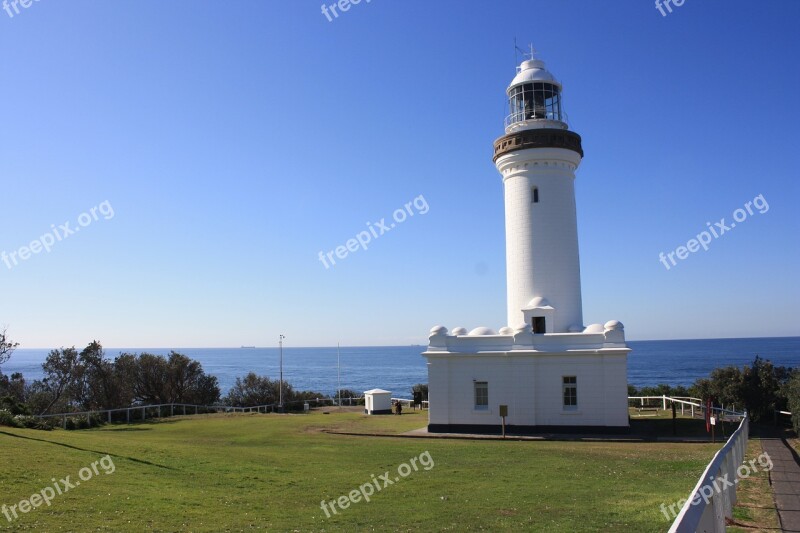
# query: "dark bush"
[10,404]
[793,395]
[7,418]
[421,388]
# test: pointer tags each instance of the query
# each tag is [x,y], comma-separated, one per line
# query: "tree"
[154,379]
[7,347]
[96,386]
[13,387]
[60,369]
[187,383]
[206,390]
[724,385]
[793,396]
[422,388]
[150,374]
[762,386]
[255,390]
[759,388]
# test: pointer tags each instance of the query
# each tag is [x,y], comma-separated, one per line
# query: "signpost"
[713,421]
[504,414]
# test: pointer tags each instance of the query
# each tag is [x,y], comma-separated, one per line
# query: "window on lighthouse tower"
[534,195]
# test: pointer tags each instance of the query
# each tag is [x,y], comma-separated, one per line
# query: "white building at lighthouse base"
[552,382]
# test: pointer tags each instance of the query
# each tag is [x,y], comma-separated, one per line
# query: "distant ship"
[249,347]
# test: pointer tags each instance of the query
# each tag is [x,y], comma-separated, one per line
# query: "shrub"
[31,422]
[7,418]
[82,422]
[8,403]
[793,395]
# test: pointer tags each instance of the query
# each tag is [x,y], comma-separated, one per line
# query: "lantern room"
[534,99]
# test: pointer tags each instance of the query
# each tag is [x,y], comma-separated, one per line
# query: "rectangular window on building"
[481,395]
[539,325]
[570,390]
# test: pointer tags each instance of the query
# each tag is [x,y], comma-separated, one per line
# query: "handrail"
[711,502]
[664,399]
[196,407]
[521,116]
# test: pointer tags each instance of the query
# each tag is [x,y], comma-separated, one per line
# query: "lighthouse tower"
[543,370]
[537,159]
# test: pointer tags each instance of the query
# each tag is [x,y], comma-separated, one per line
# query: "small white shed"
[377,402]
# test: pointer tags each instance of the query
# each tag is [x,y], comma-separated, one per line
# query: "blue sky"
[235,141]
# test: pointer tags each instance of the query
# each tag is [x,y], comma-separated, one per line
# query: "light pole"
[280,383]
[338,376]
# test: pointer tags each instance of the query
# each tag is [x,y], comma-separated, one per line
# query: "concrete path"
[785,481]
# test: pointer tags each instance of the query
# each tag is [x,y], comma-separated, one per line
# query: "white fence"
[410,403]
[712,501]
[143,412]
[694,405]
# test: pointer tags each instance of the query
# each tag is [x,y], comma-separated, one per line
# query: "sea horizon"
[397,368]
[308,347]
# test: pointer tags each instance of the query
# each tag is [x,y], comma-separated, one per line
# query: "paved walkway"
[785,480]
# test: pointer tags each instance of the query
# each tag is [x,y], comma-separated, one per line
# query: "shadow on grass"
[684,427]
[133,459]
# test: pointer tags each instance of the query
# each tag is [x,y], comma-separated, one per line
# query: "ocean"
[398,368]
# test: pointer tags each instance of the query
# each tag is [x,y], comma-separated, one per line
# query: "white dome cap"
[481,331]
[614,324]
[459,331]
[594,328]
[505,330]
[438,330]
[538,303]
[533,70]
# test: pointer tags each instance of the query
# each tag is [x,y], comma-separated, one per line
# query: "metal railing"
[783,417]
[710,503]
[410,403]
[684,402]
[523,116]
[141,412]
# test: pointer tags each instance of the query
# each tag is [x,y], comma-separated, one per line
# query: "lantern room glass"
[532,101]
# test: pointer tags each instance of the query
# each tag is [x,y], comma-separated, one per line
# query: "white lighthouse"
[537,159]
[544,370]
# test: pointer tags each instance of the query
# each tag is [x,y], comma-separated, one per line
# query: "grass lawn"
[270,472]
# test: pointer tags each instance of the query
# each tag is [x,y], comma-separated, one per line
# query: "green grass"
[270,472]
[755,506]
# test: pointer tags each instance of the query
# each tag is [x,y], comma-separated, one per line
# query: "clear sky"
[234,141]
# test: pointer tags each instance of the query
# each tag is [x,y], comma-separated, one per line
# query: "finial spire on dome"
[532,53]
